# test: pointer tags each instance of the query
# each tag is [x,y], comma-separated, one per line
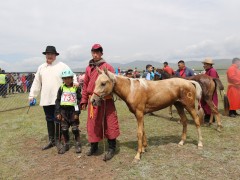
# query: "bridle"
[104,97]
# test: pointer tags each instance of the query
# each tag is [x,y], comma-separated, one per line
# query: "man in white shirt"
[48,80]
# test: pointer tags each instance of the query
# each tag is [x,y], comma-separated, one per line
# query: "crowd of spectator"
[13,83]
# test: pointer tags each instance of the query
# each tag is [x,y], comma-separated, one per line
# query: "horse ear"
[99,71]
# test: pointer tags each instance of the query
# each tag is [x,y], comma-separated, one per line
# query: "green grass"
[22,136]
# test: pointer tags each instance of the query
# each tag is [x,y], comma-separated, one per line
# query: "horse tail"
[200,111]
[219,84]
[224,97]
[226,104]
[198,89]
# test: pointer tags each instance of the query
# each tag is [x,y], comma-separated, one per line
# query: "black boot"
[78,147]
[51,131]
[65,147]
[235,112]
[206,118]
[76,133]
[231,113]
[111,149]
[93,149]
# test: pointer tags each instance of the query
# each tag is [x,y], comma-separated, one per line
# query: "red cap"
[96,46]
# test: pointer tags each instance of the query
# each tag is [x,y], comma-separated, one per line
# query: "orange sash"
[91,114]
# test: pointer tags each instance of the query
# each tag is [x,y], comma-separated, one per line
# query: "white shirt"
[48,80]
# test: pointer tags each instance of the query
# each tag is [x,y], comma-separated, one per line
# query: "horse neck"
[122,87]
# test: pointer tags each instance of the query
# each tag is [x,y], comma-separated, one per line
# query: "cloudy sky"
[128,30]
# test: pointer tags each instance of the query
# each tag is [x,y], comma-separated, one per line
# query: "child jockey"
[67,111]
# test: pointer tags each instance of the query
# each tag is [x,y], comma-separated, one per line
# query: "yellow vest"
[2,78]
[69,96]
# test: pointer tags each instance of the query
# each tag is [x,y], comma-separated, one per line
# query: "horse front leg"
[140,134]
[144,141]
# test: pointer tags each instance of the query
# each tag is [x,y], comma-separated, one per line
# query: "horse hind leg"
[195,116]
[214,110]
[183,117]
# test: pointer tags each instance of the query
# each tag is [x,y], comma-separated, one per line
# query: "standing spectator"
[183,71]
[168,69]
[129,73]
[15,77]
[148,74]
[30,78]
[119,71]
[19,88]
[48,80]
[233,93]
[210,71]
[3,84]
[136,74]
[24,83]
[81,79]
[95,115]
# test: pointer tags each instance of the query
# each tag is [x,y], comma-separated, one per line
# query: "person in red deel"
[95,114]
[210,71]
[168,69]
[233,93]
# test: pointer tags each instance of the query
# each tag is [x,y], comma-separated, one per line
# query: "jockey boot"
[111,149]
[65,137]
[78,147]
[93,149]
[51,131]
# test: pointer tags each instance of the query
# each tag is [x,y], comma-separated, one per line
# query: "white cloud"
[128,30]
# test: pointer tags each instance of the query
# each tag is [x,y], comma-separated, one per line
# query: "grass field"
[22,136]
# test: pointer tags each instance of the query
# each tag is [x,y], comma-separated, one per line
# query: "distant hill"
[141,65]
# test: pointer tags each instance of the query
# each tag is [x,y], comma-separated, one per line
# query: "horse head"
[103,86]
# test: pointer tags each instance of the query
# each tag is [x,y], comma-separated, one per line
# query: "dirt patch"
[50,165]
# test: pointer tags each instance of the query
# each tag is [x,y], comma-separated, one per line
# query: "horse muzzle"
[95,102]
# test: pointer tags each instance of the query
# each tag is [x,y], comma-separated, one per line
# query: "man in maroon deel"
[95,114]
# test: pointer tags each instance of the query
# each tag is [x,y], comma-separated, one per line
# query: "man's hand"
[83,106]
[30,99]
[76,117]
[76,85]
[59,117]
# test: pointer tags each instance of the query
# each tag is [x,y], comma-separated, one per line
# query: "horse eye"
[103,84]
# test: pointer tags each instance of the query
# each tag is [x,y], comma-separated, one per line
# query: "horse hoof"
[219,129]
[200,147]
[180,144]
[135,161]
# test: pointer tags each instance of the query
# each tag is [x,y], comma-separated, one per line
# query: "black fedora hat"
[51,49]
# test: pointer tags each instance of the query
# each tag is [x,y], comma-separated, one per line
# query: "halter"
[108,96]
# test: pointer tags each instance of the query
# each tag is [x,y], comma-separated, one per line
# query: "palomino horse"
[209,86]
[142,97]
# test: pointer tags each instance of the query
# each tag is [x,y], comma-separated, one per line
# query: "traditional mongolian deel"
[233,93]
[95,114]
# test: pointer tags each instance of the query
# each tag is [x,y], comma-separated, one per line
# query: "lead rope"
[103,126]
